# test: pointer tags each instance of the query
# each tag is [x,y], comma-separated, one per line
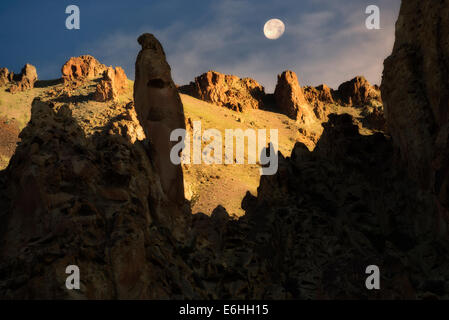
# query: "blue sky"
[325,41]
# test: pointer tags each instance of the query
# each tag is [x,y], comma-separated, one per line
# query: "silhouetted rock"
[415,90]
[328,214]
[226,90]
[160,111]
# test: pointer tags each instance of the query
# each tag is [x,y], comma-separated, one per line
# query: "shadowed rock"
[357,92]
[415,89]
[160,111]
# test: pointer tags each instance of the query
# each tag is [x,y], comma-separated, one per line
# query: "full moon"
[274,29]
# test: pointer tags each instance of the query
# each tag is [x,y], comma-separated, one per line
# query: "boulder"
[290,98]
[226,90]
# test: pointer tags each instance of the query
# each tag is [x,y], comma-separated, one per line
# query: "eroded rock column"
[160,111]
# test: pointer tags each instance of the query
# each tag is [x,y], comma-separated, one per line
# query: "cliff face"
[415,90]
[330,213]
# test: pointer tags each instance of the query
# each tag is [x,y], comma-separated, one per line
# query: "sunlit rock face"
[290,98]
[226,90]
[79,69]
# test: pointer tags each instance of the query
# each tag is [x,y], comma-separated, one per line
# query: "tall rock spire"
[160,111]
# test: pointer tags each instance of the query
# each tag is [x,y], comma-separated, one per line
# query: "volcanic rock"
[290,98]
[226,90]
[79,69]
[328,214]
[160,111]
[114,83]
[5,77]
[90,199]
[25,80]
[358,92]
[319,97]
[415,89]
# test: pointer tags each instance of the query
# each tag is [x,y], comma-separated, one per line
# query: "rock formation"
[160,111]
[79,69]
[5,76]
[114,83]
[415,90]
[358,92]
[226,90]
[25,80]
[329,213]
[107,198]
[87,196]
[290,98]
[319,97]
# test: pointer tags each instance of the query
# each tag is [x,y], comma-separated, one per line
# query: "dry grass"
[226,185]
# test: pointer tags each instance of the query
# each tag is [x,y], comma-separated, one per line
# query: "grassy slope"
[226,185]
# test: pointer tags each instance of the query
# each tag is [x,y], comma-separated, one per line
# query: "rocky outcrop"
[374,118]
[226,90]
[25,80]
[113,84]
[319,98]
[415,89]
[328,214]
[91,199]
[160,111]
[290,98]
[5,76]
[358,92]
[79,69]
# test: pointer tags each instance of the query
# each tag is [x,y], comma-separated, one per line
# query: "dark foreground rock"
[415,89]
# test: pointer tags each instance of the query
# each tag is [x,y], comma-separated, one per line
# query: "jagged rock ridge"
[23,81]
[226,90]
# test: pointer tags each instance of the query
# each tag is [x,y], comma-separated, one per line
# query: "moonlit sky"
[325,41]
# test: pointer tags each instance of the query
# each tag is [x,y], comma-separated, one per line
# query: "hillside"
[207,186]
